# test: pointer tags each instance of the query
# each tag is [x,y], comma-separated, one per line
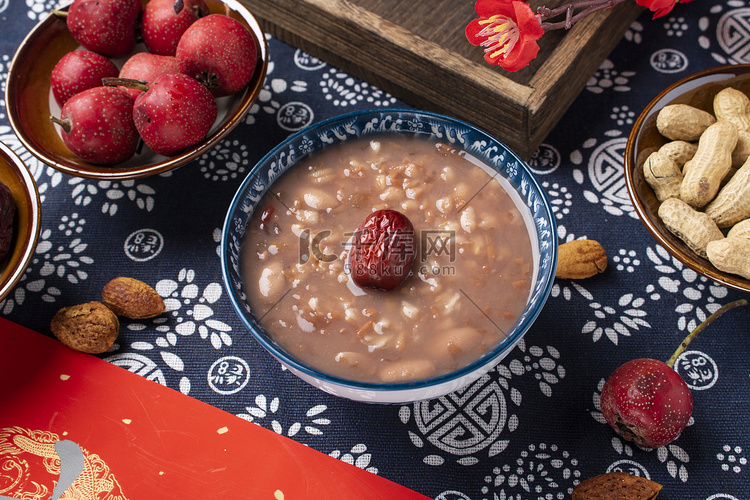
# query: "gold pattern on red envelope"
[27,454]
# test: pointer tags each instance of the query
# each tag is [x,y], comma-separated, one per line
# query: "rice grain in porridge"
[468,286]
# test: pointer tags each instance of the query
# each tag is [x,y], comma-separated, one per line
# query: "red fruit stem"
[589,6]
[64,124]
[699,328]
[125,82]
[60,13]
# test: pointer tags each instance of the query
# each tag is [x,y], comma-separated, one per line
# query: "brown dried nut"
[732,204]
[680,152]
[695,228]
[90,327]
[741,151]
[731,255]
[132,298]
[616,486]
[710,164]
[663,175]
[682,122]
[740,230]
[580,259]
[733,106]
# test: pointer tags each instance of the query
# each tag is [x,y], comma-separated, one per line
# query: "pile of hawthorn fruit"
[165,96]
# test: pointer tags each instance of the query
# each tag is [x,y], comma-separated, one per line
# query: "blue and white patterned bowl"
[474,142]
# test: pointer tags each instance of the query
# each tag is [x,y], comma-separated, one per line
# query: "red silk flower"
[508,30]
[659,7]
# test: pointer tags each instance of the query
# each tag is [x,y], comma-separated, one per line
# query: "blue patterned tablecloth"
[532,428]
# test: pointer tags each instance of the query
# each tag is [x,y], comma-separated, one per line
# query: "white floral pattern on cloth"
[60,259]
[112,193]
[266,413]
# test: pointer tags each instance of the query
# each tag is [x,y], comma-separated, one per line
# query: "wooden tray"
[418,52]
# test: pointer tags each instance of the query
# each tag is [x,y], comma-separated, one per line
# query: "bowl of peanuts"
[688,174]
[389,256]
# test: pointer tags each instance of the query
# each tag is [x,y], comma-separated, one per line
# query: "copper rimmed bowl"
[29,103]
[696,90]
[27,222]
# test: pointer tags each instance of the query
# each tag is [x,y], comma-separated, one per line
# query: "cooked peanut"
[695,228]
[272,282]
[468,219]
[733,106]
[731,255]
[319,200]
[407,370]
[711,162]
[454,341]
[663,175]
[679,151]
[732,204]
[682,122]
[740,230]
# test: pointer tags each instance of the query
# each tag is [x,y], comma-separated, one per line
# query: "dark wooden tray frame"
[417,51]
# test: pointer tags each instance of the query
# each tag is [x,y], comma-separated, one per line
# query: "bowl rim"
[489,360]
[102,172]
[688,258]
[30,235]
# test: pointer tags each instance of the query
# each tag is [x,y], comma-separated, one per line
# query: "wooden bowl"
[28,221]
[30,103]
[697,90]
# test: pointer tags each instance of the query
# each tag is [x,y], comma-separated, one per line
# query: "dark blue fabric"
[532,429]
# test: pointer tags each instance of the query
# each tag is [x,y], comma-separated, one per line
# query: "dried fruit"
[616,486]
[580,259]
[383,250]
[132,298]
[7,215]
[646,401]
[91,327]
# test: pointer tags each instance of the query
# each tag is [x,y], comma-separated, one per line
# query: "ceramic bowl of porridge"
[698,91]
[389,255]
[30,101]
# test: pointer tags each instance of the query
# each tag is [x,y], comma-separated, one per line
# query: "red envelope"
[97,431]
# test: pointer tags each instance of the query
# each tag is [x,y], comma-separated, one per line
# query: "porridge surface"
[469,283]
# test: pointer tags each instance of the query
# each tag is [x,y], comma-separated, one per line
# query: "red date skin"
[383,250]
